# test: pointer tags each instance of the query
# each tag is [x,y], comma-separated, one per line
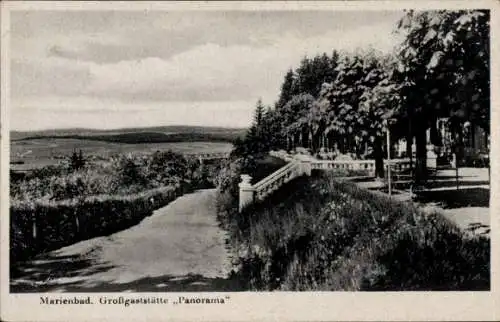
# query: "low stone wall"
[260,190]
[303,164]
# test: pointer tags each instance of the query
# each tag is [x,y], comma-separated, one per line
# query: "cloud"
[51,76]
[209,72]
[108,37]
[176,59]
[46,112]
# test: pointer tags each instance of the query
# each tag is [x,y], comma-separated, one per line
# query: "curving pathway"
[179,248]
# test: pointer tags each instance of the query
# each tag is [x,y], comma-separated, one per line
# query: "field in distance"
[177,133]
[37,149]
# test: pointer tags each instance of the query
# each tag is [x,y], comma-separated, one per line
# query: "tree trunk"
[77,224]
[409,139]
[434,133]
[319,141]
[311,140]
[460,151]
[34,229]
[473,136]
[421,158]
[379,157]
[409,145]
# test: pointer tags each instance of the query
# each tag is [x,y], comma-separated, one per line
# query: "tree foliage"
[77,161]
[445,63]
[347,101]
[444,67]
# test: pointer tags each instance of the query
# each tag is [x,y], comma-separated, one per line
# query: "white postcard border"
[256,305]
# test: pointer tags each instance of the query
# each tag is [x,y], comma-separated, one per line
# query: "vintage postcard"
[249,160]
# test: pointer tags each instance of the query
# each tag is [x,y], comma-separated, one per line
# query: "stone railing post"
[431,157]
[306,167]
[371,173]
[246,191]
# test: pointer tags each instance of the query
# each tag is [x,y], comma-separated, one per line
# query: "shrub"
[60,223]
[77,161]
[119,176]
[320,234]
[98,199]
[48,171]
[130,173]
[166,167]
[87,181]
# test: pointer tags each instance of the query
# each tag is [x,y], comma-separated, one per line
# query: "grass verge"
[42,226]
[321,234]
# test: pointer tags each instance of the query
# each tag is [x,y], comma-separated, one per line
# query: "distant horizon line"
[128,128]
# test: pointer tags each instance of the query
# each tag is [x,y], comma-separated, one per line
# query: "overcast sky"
[132,69]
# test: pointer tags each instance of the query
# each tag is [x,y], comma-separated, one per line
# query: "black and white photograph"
[157,151]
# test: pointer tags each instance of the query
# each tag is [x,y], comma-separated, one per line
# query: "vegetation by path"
[179,248]
[467,207]
[54,207]
[37,153]
[320,234]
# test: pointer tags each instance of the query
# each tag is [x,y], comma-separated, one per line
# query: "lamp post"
[388,157]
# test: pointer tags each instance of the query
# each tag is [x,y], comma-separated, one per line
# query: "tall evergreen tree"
[259,113]
[287,89]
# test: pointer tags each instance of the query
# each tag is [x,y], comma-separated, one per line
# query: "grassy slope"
[318,234]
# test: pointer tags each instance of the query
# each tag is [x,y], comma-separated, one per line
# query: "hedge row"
[42,226]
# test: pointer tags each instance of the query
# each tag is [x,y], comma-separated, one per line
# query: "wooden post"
[489,175]
[77,223]
[489,169]
[246,195]
[389,161]
[455,163]
[34,231]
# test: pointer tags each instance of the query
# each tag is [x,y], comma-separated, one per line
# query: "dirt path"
[179,248]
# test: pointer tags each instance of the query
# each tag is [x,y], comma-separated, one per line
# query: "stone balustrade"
[366,165]
[221,155]
[398,164]
[278,178]
[303,165]
[281,154]
[246,195]
[260,190]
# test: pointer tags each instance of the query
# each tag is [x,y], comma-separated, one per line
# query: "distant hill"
[177,133]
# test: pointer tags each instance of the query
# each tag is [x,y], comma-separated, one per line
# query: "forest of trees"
[347,101]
